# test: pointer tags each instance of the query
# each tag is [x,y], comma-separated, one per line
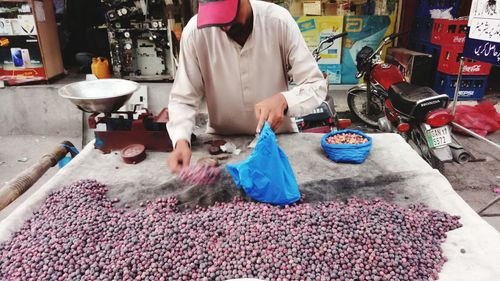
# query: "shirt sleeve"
[311,86]
[186,94]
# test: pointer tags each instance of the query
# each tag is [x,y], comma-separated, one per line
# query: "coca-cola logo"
[472,68]
[457,39]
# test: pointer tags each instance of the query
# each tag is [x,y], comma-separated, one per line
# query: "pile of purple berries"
[200,174]
[78,234]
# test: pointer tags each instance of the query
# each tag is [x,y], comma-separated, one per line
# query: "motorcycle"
[324,118]
[390,103]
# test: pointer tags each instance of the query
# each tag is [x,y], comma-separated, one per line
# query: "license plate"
[438,136]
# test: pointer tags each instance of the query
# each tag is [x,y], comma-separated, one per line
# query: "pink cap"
[217,12]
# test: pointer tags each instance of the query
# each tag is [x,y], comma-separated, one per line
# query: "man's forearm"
[181,122]
[303,99]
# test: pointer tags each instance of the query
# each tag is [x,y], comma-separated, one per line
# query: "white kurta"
[232,78]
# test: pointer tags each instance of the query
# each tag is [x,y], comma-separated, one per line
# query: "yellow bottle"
[92,66]
[100,67]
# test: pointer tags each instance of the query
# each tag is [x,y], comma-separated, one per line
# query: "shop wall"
[315,29]
[362,31]
[339,61]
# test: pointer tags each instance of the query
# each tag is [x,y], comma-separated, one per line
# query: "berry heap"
[200,174]
[78,234]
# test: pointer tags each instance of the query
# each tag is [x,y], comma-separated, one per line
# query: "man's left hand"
[271,110]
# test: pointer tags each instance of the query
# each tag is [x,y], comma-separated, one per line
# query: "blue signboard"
[481,50]
[483,40]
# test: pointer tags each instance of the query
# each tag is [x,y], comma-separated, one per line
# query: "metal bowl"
[103,96]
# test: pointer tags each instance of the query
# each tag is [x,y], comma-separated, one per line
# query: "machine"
[140,40]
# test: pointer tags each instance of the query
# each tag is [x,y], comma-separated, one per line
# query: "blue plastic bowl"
[347,153]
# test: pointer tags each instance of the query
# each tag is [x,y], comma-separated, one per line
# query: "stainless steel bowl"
[105,95]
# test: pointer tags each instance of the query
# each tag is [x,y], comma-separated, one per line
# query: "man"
[236,54]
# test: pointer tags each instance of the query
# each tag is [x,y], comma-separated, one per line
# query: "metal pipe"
[489,205]
[475,135]
[457,87]
[23,181]
[460,155]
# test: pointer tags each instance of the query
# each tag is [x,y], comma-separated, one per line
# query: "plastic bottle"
[100,67]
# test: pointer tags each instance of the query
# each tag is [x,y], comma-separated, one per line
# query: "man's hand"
[271,110]
[179,157]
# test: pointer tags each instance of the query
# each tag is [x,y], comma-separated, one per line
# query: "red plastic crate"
[449,62]
[445,32]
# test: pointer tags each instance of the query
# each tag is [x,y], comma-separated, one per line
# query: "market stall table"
[392,171]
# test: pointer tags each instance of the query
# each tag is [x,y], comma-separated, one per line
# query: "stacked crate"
[422,24]
[420,39]
[450,35]
[424,7]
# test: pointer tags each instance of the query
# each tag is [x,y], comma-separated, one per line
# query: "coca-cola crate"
[446,31]
[425,6]
[449,62]
[472,87]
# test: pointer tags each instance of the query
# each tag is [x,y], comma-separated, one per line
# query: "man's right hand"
[180,156]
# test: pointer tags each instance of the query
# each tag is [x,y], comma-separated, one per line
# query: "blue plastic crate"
[425,6]
[472,86]
[422,29]
[431,49]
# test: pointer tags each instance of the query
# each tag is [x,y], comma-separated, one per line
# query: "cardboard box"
[5,27]
[330,9]
[312,8]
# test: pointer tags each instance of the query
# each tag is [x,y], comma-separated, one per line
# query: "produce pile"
[200,174]
[346,138]
[79,233]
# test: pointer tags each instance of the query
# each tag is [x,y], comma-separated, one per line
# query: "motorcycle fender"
[442,153]
[354,90]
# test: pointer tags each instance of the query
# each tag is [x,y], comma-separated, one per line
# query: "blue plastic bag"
[266,175]
[64,161]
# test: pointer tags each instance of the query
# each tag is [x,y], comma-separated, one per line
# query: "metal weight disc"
[133,153]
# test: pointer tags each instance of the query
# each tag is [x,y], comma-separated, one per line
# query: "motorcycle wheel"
[357,102]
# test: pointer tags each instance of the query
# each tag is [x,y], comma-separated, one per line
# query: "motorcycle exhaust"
[460,155]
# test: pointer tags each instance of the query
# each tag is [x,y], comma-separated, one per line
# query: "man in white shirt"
[236,54]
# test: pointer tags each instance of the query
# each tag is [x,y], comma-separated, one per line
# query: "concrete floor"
[476,181]
[19,152]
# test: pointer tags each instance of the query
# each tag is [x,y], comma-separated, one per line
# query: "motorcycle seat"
[405,96]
